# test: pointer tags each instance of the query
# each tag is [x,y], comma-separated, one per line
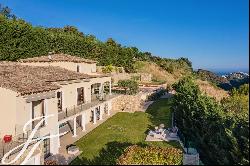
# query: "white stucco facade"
[16,110]
[87,68]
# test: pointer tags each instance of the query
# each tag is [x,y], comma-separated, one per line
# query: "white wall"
[86,68]
[7,112]
[69,94]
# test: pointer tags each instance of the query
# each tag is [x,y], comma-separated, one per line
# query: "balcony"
[77,109]
[16,141]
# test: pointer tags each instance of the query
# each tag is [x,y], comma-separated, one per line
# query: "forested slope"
[19,39]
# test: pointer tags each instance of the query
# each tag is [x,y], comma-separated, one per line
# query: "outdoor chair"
[157,136]
[161,126]
[163,133]
[160,135]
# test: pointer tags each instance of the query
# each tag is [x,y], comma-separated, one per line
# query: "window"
[46,145]
[59,101]
[78,68]
[80,96]
[38,110]
[98,112]
[106,108]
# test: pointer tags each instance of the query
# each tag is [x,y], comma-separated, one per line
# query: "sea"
[220,73]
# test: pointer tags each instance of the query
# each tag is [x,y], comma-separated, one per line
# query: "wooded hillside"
[19,39]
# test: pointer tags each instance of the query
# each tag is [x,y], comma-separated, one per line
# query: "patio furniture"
[73,150]
[161,130]
[151,133]
[160,134]
[157,136]
[161,126]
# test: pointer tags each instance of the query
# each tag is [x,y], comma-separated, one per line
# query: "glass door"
[46,145]
[38,110]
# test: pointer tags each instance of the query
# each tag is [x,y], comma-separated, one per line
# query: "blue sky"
[213,34]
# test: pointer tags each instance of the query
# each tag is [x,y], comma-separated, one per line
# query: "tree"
[111,42]
[130,86]
[108,69]
[244,89]
[19,39]
[187,61]
[210,125]
[6,11]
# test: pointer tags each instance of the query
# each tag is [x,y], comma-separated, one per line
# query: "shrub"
[130,86]
[157,82]
[136,155]
[168,88]
[120,69]
[108,69]
[136,78]
[220,132]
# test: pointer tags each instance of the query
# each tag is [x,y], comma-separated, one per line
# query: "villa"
[67,87]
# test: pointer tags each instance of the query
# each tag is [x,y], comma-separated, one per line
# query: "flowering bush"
[50,162]
[150,156]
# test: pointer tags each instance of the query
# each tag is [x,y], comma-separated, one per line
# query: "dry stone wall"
[143,77]
[130,103]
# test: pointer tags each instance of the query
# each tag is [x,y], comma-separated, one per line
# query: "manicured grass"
[160,112]
[106,143]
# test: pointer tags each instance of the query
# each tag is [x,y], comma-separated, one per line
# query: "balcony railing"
[77,109]
[17,140]
[95,97]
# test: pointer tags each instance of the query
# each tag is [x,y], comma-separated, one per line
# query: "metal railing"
[17,140]
[77,109]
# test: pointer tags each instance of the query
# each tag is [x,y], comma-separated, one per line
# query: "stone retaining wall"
[143,77]
[130,103]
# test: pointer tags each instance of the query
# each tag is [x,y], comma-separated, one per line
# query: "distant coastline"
[220,73]
[226,72]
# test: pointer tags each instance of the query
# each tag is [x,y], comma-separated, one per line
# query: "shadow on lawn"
[107,156]
[157,115]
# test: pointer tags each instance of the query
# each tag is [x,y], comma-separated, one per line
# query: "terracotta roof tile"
[34,79]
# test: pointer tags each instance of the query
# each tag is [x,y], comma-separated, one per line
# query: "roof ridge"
[57,57]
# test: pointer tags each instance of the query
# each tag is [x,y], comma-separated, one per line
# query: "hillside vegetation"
[212,90]
[19,39]
[159,74]
[219,130]
[227,83]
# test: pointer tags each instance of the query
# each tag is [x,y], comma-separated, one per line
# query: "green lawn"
[106,143]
